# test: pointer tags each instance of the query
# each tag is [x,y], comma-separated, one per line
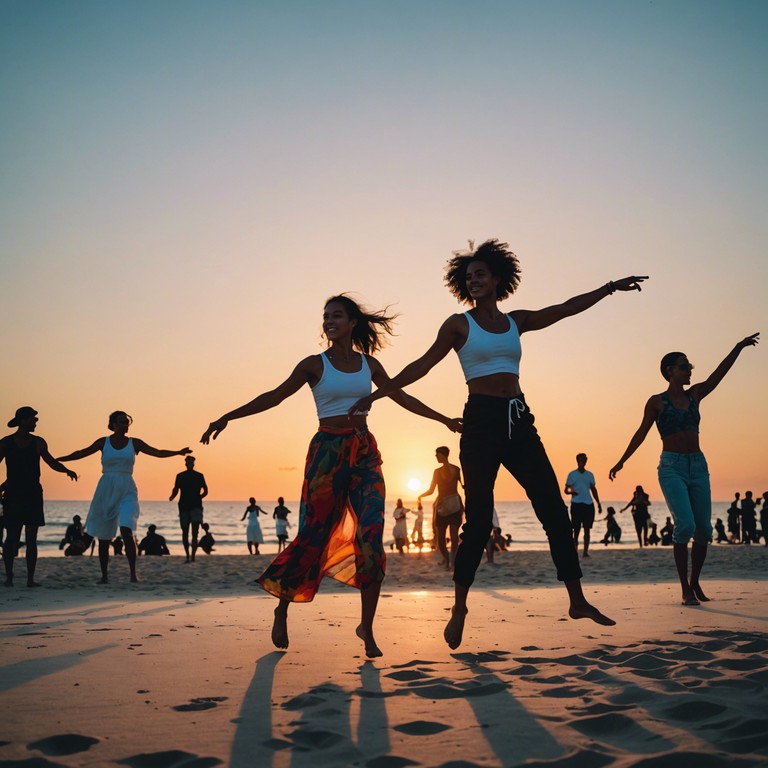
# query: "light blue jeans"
[684,481]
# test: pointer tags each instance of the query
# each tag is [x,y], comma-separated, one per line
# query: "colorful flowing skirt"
[341,519]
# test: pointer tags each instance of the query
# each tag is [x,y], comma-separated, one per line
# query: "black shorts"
[582,515]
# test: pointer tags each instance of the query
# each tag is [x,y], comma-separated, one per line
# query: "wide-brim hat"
[22,414]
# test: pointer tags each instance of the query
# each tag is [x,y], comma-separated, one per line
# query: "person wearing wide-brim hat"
[23,499]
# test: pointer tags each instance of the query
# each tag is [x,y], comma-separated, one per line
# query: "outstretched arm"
[96,446]
[649,416]
[535,320]
[699,391]
[141,447]
[431,488]
[447,337]
[410,403]
[303,373]
[54,463]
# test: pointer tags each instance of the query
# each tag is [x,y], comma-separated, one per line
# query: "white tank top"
[337,392]
[117,462]
[486,353]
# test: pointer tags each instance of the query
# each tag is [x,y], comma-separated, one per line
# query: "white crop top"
[486,353]
[337,392]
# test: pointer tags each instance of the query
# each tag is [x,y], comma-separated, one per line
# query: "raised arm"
[410,403]
[96,446]
[449,335]
[304,373]
[54,464]
[649,416]
[141,447]
[535,320]
[700,391]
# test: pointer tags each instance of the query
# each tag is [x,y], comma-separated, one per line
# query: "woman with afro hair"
[498,424]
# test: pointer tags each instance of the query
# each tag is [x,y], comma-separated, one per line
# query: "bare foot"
[372,650]
[103,580]
[586,611]
[280,629]
[586,554]
[699,593]
[690,599]
[454,629]
[134,579]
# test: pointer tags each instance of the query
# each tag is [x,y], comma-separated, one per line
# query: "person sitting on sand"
[253,534]
[206,540]
[400,529]
[653,536]
[667,532]
[23,494]
[683,470]
[117,546]
[76,540]
[116,499]
[612,528]
[153,543]
[341,518]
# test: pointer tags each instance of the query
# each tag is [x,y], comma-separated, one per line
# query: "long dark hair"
[502,263]
[368,335]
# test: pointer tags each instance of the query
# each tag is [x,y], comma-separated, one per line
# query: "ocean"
[515,517]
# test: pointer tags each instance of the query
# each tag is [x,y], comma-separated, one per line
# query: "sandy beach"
[179,669]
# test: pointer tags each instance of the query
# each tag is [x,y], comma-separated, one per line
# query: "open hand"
[750,341]
[214,429]
[630,283]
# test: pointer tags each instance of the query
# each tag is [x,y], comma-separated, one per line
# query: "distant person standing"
[153,543]
[253,534]
[734,520]
[748,519]
[764,518]
[683,470]
[400,529]
[417,534]
[580,486]
[722,538]
[116,499]
[639,504]
[448,506]
[191,487]
[23,494]
[280,516]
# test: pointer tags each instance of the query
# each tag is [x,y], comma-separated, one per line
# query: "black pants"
[499,431]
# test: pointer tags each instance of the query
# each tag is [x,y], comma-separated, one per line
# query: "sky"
[184,183]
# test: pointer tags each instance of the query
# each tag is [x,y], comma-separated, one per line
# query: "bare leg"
[586,542]
[442,547]
[104,545]
[280,625]
[369,599]
[31,556]
[681,562]
[185,538]
[698,556]
[195,531]
[130,551]
[454,531]
[10,548]
[580,608]
[250,548]
[454,629]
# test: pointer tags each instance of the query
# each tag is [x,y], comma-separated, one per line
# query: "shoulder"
[312,365]
[456,324]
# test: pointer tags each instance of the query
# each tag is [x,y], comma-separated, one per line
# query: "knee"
[684,531]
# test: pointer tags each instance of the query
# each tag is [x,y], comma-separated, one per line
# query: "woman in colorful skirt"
[341,518]
[683,470]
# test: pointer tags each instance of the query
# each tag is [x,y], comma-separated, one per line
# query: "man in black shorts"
[580,486]
[193,490]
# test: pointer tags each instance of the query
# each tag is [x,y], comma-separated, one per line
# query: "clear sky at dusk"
[184,183]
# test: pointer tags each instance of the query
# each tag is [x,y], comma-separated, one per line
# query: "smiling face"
[481,282]
[337,324]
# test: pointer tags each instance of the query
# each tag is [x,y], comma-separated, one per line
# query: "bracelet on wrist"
[611,286]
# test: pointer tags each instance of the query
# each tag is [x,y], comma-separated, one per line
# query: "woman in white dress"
[400,529]
[253,534]
[116,501]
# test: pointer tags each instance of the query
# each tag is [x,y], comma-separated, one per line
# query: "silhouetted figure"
[683,471]
[764,518]
[206,540]
[191,487]
[417,534]
[448,507]
[280,516]
[116,501]
[612,528]
[653,537]
[640,502]
[23,496]
[400,528]
[76,541]
[341,518]
[748,519]
[253,533]
[498,423]
[667,532]
[720,531]
[117,546]
[153,544]
[734,520]
[580,486]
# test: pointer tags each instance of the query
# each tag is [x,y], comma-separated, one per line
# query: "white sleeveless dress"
[116,500]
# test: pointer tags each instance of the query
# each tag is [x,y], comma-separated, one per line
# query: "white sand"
[179,670]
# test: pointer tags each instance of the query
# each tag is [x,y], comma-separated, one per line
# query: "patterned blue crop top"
[672,420]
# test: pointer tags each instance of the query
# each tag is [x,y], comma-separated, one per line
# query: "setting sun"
[414,484]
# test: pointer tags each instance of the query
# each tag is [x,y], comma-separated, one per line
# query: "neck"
[341,350]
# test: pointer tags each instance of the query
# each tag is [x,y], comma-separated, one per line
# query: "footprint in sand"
[200,703]
[63,744]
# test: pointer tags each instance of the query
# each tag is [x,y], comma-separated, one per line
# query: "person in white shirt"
[580,486]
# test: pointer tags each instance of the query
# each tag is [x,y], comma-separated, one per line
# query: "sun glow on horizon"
[414,484]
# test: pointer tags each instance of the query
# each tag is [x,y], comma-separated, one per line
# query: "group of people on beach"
[341,518]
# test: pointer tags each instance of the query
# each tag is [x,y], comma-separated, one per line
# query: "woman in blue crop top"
[498,425]
[683,472]
[341,518]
